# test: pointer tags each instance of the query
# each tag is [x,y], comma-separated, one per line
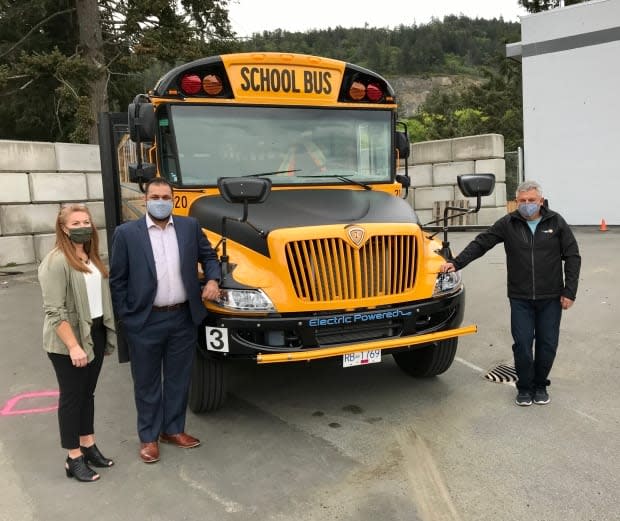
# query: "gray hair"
[526,186]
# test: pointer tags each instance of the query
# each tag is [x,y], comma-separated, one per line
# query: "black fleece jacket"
[540,266]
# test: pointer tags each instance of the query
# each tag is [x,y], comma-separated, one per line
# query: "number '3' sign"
[217,339]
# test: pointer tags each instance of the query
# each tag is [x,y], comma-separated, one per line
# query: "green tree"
[494,106]
[64,61]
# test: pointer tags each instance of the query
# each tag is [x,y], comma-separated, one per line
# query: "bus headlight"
[447,283]
[245,300]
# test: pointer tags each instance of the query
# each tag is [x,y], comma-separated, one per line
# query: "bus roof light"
[357,91]
[374,92]
[191,84]
[212,84]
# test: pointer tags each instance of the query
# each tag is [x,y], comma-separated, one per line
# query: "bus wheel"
[430,360]
[207,391]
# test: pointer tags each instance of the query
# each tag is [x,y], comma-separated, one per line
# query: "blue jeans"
[534,320]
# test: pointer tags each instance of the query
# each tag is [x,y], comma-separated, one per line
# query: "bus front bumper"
[304,337]
[315,354]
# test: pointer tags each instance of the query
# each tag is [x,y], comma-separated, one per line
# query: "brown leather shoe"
[149,452]
[185,441]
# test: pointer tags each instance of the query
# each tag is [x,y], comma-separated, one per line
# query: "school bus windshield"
[199,144]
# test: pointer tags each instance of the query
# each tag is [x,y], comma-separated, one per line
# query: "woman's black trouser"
[76,405]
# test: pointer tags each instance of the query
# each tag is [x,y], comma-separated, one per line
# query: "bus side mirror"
[404,180]
[476,185]
[142,126]
[142,122]
[246,190]
[141,172]
[402,144]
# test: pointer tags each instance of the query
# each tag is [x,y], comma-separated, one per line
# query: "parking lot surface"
[319,442]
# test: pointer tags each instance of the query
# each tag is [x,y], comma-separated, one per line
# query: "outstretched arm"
[478,247]
[207,256]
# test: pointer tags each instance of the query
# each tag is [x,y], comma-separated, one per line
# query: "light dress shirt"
[170,289]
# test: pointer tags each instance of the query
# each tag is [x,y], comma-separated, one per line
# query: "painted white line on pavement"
[468,364]
[478,369]
[585,415]
[229,505]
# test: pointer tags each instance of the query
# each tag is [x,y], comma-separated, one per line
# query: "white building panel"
[571,108]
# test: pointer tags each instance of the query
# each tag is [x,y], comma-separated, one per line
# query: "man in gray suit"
[158,300]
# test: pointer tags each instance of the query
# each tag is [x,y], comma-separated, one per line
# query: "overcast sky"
[255,16]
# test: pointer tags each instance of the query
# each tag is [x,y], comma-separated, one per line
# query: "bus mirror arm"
[471,185]
[224,257]
[403,151]
[141,121]
[445,251]
[224,261]
[244,219]
[405,182]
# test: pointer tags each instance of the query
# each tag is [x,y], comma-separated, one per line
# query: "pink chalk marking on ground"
[7,410]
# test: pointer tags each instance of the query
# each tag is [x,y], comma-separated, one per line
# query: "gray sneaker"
[541,396]
[524,398]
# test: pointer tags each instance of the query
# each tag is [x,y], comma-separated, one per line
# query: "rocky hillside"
[411,91]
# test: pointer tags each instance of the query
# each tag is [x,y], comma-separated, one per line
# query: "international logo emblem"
[356,235]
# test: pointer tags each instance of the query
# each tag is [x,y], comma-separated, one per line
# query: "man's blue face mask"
[528,210]
[159,208]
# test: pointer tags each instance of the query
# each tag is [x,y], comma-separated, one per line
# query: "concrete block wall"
[35,178]
[435,165]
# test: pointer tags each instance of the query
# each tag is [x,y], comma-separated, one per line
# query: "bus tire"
[430,360]
[207,391]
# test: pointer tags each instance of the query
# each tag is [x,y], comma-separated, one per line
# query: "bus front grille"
[331,269]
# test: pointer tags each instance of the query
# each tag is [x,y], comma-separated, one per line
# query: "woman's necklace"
[84,258]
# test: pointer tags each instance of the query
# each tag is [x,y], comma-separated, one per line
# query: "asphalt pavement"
[319,442]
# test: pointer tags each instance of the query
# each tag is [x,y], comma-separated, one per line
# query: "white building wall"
[571,109]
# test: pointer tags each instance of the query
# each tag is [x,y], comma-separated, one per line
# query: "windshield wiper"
[271,173]
[342,178]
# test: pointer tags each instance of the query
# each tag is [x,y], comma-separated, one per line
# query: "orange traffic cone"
[603,226]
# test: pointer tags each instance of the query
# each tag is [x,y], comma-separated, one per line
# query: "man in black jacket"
[543,263]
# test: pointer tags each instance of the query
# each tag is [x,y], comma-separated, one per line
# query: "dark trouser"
[534,320]
[164,348]
[76,405]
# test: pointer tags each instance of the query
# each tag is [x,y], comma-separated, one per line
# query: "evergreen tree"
[63,61]
[52,70]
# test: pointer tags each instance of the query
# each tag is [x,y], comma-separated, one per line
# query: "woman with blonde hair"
[78,330]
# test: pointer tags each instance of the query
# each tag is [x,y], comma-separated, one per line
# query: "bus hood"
[300,208]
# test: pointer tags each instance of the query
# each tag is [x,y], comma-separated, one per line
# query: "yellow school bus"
[289,162]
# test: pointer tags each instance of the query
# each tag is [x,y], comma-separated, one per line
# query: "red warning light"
[374,92]
[191,84]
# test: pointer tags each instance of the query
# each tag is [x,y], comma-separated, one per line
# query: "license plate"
[361,358]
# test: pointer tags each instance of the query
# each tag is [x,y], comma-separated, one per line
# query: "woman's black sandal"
[93,456]
[78,469]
